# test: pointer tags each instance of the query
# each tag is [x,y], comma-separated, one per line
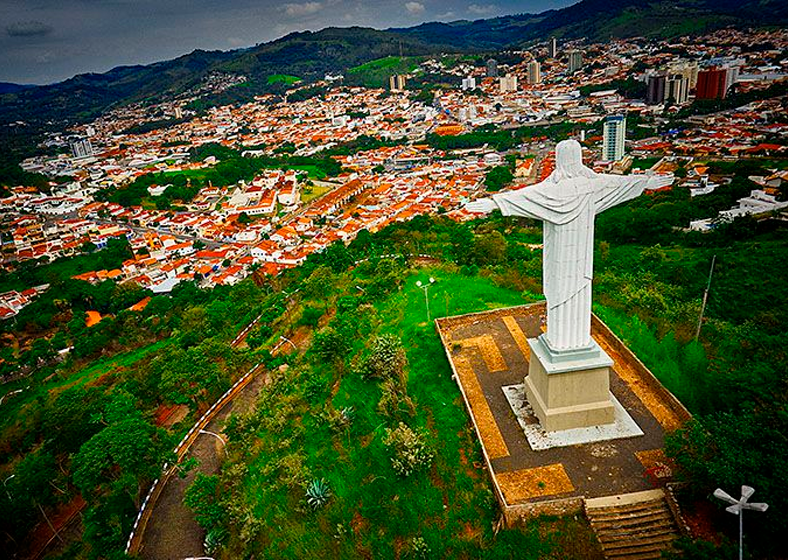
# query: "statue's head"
[569,161]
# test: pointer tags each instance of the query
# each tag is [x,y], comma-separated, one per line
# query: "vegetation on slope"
[322,424]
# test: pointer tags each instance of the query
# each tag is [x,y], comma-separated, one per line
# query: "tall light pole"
[737,507]
[426,286]
[6,487]
[705,298]
[217,436]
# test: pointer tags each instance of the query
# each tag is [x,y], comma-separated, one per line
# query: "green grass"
[317,191]
[373,512]
[376,72]
[386,63]
[645,163]
[312,170]
[283,78]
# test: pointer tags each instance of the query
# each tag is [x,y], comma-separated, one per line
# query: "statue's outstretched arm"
[523,202]
[617,189]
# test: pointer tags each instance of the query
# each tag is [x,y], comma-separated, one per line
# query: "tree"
[489,248]
[315,285]
[498,177]
[120,456]
[311,316]
[330,345]
[202,497]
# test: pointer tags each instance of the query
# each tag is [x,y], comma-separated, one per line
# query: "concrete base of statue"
[569,389]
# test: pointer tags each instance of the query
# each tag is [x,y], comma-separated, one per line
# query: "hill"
[6,87]
[310,55]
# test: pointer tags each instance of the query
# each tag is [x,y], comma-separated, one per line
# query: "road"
[172,532]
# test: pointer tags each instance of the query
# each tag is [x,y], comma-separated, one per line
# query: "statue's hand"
[481,206]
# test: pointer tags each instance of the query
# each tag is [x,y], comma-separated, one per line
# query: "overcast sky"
[44,41]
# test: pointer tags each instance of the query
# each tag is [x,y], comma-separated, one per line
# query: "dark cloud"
[28,29]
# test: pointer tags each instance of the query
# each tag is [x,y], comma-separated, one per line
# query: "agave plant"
[213,540]
[318,493]
[347,414]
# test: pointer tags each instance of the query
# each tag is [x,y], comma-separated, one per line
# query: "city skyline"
[47,41]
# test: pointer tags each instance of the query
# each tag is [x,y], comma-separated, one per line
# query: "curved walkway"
[171,532]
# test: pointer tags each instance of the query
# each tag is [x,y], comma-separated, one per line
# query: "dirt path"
[172,533]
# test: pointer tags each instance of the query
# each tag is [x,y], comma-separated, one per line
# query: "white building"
[81,148]
[575,60]
[468,83]
[534,72]
[613,138]
[508,83]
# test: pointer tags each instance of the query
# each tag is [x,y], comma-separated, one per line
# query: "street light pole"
[737,507]
[217,436]
[705,298]
[426,287]
[6,488]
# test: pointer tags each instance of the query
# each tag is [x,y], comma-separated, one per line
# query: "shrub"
[311,317]
[394,401]
[419,548]
[387,360]
[410,451]
[339,420]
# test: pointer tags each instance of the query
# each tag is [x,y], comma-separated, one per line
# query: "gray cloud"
[303,9]
[482,10]
[414,8]
[28,29]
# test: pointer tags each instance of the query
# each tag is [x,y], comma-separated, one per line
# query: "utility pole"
[705,298]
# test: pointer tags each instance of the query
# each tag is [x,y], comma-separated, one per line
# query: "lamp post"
[217,436]
[737,507]
[6,487]
[426,286]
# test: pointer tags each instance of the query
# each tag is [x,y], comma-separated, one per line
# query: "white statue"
[567,202]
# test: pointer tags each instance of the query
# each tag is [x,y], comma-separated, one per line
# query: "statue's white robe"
[568,207]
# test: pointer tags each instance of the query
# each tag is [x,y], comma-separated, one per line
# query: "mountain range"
[310,55]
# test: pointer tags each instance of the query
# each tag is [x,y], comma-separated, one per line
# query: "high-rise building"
[688,69]
[677,89]
[508,83]
[534,72]
[468,83]
[397,82]
[732,74]
[81,148]
[613,137]
[655,93]
[712,84]
[178,113]
[552,48]
[575,60]
[492,68]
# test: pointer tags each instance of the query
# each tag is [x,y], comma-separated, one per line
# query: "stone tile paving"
[489,351]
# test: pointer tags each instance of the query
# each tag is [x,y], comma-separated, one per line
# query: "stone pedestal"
[569,389]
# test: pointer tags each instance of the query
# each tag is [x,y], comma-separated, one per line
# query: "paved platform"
[489,353]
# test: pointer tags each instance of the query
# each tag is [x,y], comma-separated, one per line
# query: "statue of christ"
[567,201]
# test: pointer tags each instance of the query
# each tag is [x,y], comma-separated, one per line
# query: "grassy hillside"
[325,420]
[376,72]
